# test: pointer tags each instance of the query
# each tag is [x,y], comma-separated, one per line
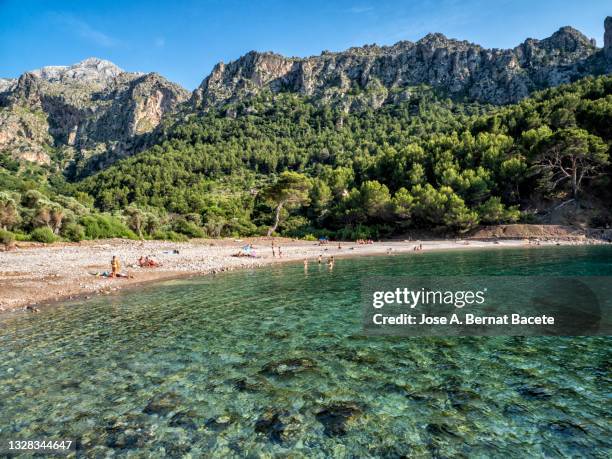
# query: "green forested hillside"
[425,163]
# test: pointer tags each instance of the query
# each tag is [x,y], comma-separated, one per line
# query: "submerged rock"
[219,423]
[289,366]
[245,385]
[176,449]
[128,432]
[70,384]
[534,392]
[566,428]
[185,420]
[352,355]
[337,416]
[128,439]
[461,399]
[440,430]
[279,425]
[277,334]
[163,404]
[393,388]
[514,410]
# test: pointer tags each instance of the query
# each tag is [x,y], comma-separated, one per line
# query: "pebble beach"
[33,275]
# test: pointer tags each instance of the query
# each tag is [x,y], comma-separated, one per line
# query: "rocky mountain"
[382,73]
[86,110]
[86,116]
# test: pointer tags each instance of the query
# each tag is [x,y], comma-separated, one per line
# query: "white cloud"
[84,30]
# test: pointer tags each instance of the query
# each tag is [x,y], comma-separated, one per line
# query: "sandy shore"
[34,274]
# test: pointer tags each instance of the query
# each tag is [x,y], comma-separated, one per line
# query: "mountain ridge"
[497,76]
[89,114]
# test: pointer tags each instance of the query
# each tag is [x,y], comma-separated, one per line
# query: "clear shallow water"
[272,361]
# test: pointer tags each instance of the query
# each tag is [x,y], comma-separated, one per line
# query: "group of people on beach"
[331,261]
[278,249]
[115,267]
[148,262]
[364,241]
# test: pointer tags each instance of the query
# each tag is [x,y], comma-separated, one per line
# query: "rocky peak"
[608,37]
[459,68]
[435,40]
[26,90]
[89,109]
[567,39]
[90,70]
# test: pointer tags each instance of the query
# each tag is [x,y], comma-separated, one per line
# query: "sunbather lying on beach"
[242,253]
[146,262]
[110,275]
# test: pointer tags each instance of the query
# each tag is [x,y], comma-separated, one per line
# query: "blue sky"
[183,39]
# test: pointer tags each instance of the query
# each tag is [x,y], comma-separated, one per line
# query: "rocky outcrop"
[6,84]
[93,111]
[24,133]
[91,71]
[459,68]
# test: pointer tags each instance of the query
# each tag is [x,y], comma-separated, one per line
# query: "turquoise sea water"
[272,362]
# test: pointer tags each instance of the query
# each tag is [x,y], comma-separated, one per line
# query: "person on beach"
[115,267]
[305,265]
[146,262]
[273,253]
[279,252]
[320,259]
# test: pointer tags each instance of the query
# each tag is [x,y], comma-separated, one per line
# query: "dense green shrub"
[73,232]
[43,234]
[425,163]
[349,233]
[9,213]
[188,228]
[105,226]
[19,236]
[7,239]
[169,236]
[494,212]
[296,226]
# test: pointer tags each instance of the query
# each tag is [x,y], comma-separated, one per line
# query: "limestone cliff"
[86,116]
[87,109]
[458,68]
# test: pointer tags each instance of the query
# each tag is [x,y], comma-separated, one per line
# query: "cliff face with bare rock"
[83,117]
[87,109]
[457,68]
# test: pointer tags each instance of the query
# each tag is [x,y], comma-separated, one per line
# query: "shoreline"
[34,276]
